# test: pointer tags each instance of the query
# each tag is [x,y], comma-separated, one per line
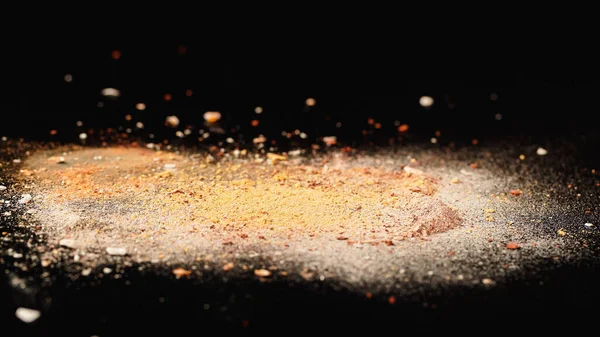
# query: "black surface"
[144,302]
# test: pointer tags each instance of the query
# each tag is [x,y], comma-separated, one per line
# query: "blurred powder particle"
[212,116]
[330,141]
[172,121]
[541,151]
[426,101]
[111,92]
[27,315]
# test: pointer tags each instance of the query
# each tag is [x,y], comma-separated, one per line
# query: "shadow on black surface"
[146,303]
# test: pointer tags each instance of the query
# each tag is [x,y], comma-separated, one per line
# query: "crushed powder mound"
[128,199]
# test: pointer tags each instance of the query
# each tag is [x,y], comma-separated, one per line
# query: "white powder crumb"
[27,315]
[541,151]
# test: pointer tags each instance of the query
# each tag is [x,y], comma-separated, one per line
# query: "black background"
[349,88]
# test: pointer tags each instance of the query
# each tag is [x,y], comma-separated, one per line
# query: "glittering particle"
[433,140]
[262,273]
[116,54]
[79,123]
[512,246]
[310,102]
[587,224]
[561,232]
[329,141]
[260,139]
[128,117]
[522,157]
[229,140]
[4,139]
[212,116]
[403,128]
[139,125]
[110,92]
[168,97]
[303,135]
[426,101]
[338,125]
[179,134]
[53,132]
[179,272]
[68,78]
[140,106]
[187,132]
[100,104]
[83,136]
[488,282]
[172,121]
[541,151]
[371,121]
[258,110]
[189,92]
[254,122]
[27,315]
[498,116]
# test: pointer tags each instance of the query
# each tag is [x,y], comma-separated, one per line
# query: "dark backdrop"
[351,89]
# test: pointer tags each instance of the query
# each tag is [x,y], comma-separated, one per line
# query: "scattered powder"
[132,201]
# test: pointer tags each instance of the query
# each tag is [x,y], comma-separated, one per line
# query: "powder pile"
[160,205]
